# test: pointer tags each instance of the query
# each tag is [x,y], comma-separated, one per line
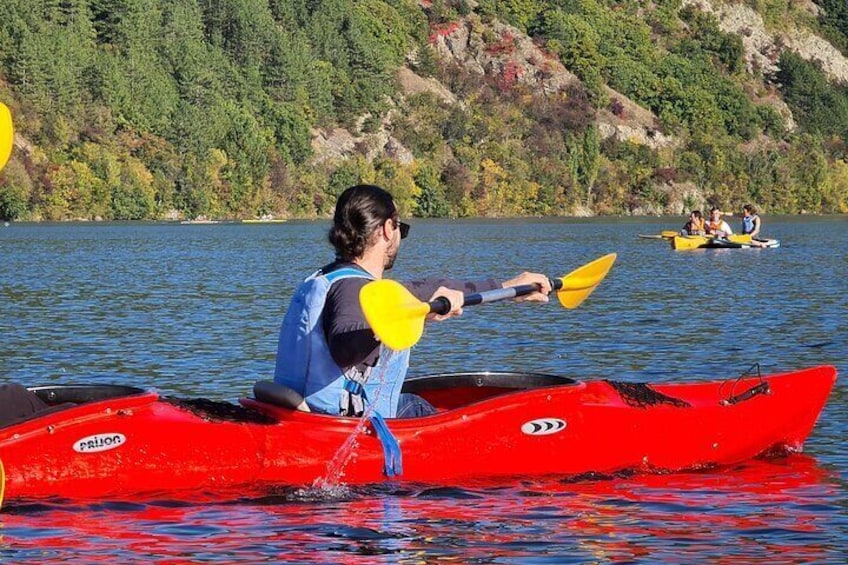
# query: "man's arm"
[423,289]
[349,337]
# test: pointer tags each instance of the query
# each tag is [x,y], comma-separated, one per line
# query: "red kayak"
[118,442]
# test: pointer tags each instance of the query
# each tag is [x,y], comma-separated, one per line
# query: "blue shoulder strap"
[345,273]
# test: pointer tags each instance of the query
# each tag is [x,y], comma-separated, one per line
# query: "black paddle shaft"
[441,305]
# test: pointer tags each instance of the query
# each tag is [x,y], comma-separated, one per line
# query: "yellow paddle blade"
[579,283]
[739,238]
[665,234]
[7,134]
[395,315]
[687,242]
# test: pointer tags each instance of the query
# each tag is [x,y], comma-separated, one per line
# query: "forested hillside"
[166,109]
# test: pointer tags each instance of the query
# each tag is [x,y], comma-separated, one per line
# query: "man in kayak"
[695,225]
[716,226]
[327,352]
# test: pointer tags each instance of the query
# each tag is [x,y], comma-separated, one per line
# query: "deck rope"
[641,395]
[218,410]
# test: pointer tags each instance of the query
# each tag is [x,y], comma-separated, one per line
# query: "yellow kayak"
[734,241]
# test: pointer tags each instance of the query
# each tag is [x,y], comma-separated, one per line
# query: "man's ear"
[386,230]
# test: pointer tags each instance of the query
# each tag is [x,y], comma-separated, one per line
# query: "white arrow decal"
[543,426]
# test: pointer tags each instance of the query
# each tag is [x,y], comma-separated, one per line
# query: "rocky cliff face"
[514,59]
[504,54]
[511,58]
[763,47]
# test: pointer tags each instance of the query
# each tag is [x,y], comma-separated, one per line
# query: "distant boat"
[199,220]
[187,222]
[264,219]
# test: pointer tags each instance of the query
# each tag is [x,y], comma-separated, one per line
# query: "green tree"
[15,188]
[431,201]
[134,197]
[818,107]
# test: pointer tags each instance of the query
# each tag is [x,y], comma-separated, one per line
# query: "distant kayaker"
[716,226]
[695,225]
[751,225]
[751,222]
[327,352]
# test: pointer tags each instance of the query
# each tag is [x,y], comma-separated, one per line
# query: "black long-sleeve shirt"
[350,338]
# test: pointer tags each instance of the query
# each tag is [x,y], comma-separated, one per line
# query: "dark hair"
[697,214]
[359,211]
[749,208]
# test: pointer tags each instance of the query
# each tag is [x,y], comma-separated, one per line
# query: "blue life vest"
[748,224]
[304,362]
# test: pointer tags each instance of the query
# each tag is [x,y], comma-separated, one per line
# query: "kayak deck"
[489,426]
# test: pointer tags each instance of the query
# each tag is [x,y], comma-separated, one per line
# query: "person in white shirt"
[716,226]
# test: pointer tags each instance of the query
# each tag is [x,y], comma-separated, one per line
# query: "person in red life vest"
[695,225]
[716,226]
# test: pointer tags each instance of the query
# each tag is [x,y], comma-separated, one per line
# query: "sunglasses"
[404,230]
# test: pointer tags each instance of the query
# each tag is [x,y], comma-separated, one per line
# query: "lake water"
[194,311]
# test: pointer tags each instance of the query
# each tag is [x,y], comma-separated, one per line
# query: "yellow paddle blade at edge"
[2,482]
[7,134]
[579,283]
[668,234]
[395,315]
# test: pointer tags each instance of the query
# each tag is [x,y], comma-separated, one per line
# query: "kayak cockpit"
[24,406]
[61,397]
[446,391]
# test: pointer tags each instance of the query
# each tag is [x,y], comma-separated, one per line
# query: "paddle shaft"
[441,305]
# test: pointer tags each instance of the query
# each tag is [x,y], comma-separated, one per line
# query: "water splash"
[333,477]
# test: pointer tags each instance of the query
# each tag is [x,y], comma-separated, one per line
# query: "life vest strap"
[354,387]
[392,456]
